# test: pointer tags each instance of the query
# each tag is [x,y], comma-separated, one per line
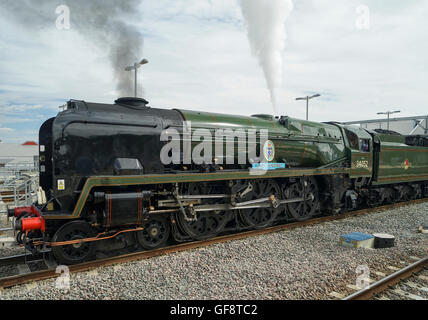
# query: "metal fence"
[21,166]
[18,187]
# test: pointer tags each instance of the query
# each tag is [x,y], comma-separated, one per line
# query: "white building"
[19,155]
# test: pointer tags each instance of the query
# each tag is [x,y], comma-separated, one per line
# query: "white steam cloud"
[265,20]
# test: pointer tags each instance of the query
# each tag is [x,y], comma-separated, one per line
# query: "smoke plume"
[102,22]
[265,20]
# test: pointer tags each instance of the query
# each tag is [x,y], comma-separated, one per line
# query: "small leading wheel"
[78,252]
[155,234]
[262,217]
[306,189]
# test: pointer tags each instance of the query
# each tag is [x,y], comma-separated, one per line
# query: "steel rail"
[86,266]
[385,283]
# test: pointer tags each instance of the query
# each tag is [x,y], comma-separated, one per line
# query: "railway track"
[398,277]
[10,281]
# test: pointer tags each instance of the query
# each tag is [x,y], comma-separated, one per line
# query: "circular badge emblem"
[269,150]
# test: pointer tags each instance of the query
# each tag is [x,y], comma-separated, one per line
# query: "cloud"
[6,129]
[200,59]
[11,109]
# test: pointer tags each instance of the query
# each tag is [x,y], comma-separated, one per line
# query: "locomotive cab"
[360,147]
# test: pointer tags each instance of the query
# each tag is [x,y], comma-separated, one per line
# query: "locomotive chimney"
[132,102]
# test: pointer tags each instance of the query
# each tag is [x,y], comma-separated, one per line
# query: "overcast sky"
[200,59]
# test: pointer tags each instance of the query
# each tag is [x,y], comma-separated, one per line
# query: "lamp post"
[307,98]
[135,67]
[388,113]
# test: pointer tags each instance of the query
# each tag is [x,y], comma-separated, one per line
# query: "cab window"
[353,140]
[365,145]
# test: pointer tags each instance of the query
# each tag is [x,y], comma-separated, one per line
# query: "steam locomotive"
[103,184]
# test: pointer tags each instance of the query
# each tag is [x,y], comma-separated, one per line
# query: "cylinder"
[123,208]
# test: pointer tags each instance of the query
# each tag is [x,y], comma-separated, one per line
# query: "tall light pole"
[307,98]
[388,113]
[135,67]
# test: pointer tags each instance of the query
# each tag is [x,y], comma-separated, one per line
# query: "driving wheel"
[262,217]
[306,189]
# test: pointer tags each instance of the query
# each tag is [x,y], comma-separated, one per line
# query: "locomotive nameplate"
[268,166]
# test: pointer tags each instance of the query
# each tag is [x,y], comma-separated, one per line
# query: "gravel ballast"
[303,263]
[14,249]
[3,221]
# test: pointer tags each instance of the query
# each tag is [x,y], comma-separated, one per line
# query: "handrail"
[23,190]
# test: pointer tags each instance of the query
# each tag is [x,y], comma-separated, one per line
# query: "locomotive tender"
[101,177]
